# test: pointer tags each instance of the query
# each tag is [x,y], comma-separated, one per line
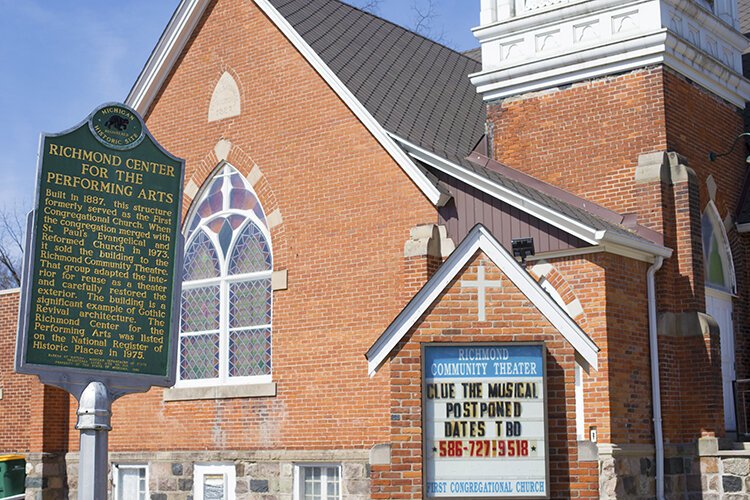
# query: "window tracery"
[227,299]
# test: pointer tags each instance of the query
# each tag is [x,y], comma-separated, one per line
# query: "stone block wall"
[626,474]
[46,477]
[725,476]
[259,475]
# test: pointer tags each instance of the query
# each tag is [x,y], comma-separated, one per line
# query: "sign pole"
[94,414]
[100,301]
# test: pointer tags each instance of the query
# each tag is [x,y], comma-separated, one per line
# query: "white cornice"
[179,31]
[608,240]
[480,238]
[546,17]
[582,40]
[584,64]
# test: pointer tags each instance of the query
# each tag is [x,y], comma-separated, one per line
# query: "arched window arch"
[578,389]
[717,254]
[227,301]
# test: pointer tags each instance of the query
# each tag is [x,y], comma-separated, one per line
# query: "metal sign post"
[94,414]
[100,299]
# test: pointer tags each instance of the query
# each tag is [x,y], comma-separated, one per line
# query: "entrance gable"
[481,284]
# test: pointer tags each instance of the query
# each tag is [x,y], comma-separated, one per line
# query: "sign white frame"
[425,423]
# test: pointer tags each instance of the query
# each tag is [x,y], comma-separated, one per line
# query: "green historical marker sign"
[100,291]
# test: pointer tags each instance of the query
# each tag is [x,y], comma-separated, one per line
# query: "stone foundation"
[46,476]
[701,472]
[693,472]
[626,472]
[265,475]
[725,473]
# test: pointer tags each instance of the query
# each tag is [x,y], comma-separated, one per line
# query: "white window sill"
[220,392]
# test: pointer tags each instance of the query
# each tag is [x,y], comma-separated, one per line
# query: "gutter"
[655,383]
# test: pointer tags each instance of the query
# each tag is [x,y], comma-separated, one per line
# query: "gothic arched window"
[717,255]
[225,335]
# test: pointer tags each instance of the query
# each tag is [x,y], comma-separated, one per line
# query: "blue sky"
[62,58]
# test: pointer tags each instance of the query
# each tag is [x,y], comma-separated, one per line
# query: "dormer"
[530,45]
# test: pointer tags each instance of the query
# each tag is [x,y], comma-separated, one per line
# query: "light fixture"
[522,247]
[712,156]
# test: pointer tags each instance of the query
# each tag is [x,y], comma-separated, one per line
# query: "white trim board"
[180,29]
[480,238]
[164,56]
[607,240]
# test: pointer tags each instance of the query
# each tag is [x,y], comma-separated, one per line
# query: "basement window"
[130,481]
[214,482]
[317,482]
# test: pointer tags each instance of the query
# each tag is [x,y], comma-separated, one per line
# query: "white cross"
[481,285]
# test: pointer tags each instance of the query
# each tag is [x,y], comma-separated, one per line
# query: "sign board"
[100,296]
[485,421]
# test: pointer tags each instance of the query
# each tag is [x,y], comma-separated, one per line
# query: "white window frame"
[299,483]
[117,467]
[725,252]
[579,399]
[580,412]
[200,471]
[223,281]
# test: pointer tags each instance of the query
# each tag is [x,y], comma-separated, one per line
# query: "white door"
[719,305]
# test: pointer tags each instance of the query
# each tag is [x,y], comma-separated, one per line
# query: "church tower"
[620,103]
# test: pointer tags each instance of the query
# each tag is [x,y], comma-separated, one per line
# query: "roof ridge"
[378,16]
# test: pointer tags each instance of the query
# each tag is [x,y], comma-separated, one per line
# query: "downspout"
[655,386]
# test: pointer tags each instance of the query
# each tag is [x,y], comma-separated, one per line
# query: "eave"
[609,241]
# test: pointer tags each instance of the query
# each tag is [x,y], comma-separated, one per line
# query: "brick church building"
[354,321]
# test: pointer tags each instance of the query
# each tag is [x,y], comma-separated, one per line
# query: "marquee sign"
[100,297]
[485,421]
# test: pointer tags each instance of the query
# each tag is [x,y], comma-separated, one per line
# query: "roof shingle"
[414,87]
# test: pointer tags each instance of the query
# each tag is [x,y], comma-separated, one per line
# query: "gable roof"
[415,87]
[409,91]
[175,39]
[480,239]
[585,220]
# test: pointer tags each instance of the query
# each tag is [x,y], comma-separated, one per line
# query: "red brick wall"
[453,319]
[617,396]
[33,417]
[698,122]
[587,139]
[16,405]
[346,208]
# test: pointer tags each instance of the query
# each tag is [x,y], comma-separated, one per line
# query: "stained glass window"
[227,299]
[717,257]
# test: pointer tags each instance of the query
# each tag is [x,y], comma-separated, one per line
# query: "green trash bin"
[12,476]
